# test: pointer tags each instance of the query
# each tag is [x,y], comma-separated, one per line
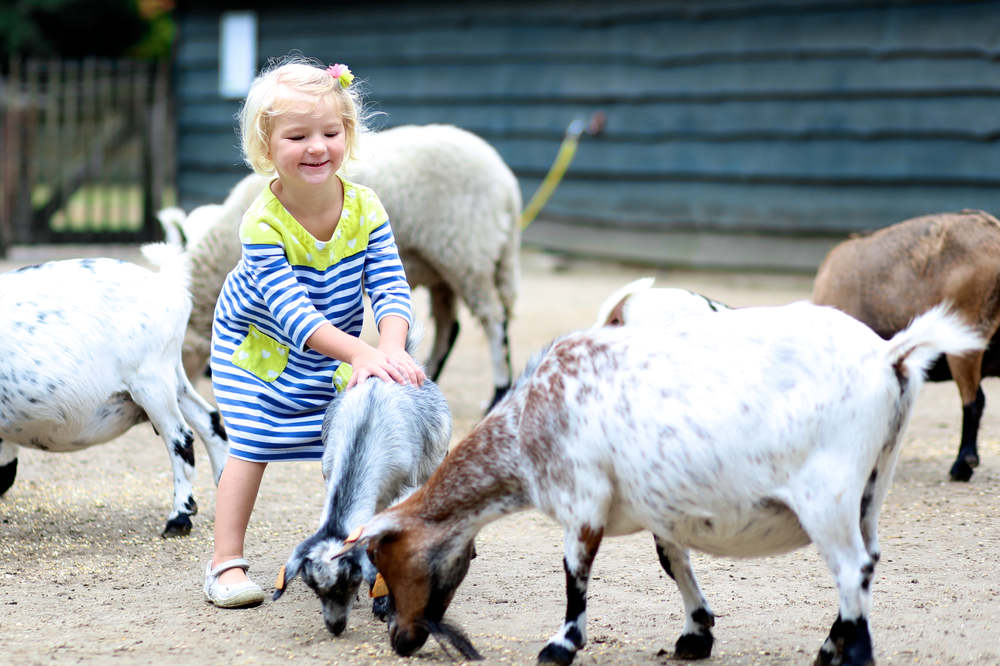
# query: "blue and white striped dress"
[272,390]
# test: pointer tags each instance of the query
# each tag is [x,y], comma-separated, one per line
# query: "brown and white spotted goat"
[736,444]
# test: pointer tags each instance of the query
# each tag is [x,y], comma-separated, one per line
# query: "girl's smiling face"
[307,143]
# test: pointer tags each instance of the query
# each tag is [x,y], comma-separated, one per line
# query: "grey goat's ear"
[368,534]
[288,571]
[358,538]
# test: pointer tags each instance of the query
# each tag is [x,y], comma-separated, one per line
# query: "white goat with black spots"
[639,304]
[381,441]
[93,346]
[746,433]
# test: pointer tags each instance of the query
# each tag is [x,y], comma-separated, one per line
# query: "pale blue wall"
[798,116]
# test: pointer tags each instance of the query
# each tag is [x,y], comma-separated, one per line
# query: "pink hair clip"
[342,73]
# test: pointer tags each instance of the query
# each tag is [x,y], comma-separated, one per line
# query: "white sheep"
[454,207]
[639,304]
[93,346]
[746,433]
[381,441]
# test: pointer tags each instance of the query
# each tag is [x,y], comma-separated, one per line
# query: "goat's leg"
[8,465]
[834,526]
[445,315]
[967,372]
[206,421]
[871,505]
[580,549]
[195,353]
[696,639]
[157,395]
[874,493]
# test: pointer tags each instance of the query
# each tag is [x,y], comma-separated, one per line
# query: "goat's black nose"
[337,628]
[406,642]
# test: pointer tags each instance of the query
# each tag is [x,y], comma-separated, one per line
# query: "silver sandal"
[240,595]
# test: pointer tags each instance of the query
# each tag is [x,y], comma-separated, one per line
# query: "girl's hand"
[405,364]
[389,362]
[371,362]
[394,365]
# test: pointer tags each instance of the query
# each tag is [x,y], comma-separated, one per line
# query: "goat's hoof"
[381,608]
[7,474]
[694,646]
[861,657]
[825,657]
[960,471]
[178,526]
[556,654]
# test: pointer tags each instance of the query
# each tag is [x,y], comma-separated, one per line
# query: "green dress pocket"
[342,376]
[261,355]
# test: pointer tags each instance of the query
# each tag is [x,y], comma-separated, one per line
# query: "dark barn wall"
[804,117]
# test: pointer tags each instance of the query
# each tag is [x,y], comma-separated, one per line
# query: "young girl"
[287,322]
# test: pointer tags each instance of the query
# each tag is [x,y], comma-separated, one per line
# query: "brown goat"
[888,277]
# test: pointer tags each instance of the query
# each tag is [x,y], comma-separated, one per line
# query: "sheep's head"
[333,576]
[422,574]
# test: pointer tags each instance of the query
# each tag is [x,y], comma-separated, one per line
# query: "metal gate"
[86,151]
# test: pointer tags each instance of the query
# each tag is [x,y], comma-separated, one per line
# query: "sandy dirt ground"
[86,578]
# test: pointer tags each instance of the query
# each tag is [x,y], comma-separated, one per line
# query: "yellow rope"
[565,155]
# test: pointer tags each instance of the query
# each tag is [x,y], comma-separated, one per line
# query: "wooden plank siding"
[810,117]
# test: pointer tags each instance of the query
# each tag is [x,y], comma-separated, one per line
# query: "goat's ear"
[288,571]
[356,538]
[367,535]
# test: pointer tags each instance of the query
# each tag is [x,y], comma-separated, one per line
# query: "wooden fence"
[86,150]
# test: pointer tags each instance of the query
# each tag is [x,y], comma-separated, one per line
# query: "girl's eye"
[330,135]
[297,137]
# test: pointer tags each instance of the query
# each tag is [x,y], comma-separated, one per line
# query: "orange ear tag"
[379,589]
[279,584]
[355,534]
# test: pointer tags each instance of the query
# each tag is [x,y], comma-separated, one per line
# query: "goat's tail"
[938,331]
[171,260]
[172,221]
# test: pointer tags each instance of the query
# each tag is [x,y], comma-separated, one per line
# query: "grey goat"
[382,441]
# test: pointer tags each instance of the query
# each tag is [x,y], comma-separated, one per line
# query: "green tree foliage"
[77,28]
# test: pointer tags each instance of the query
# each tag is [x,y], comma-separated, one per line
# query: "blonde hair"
[279,87]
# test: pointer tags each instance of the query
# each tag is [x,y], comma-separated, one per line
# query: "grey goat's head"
[335,578]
